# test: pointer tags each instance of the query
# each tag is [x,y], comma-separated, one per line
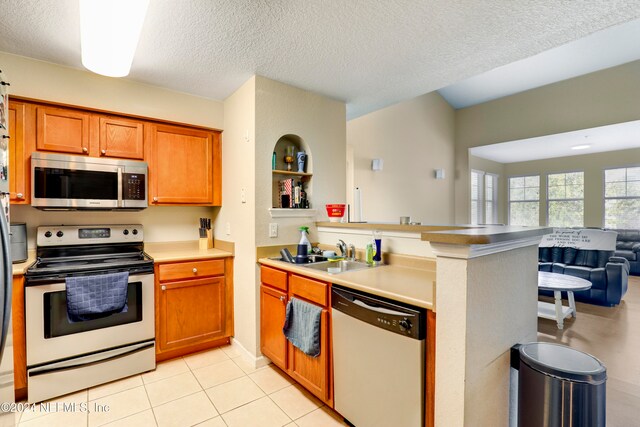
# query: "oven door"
[51,336]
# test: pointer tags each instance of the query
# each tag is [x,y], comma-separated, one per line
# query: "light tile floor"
[215,388]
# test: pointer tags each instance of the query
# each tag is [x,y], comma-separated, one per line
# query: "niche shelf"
[280,173]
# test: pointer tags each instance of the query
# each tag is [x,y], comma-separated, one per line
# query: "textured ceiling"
[620,136]
[368,53]
[604,49]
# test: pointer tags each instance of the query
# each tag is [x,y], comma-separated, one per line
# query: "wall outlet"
[228,228]
[273,229]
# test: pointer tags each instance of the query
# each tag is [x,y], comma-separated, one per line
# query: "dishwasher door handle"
[380,309]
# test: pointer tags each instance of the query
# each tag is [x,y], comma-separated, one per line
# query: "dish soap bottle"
[304,238]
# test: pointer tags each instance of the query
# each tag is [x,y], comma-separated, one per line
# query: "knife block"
[207,242]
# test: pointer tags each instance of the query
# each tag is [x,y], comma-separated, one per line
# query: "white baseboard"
[255,361]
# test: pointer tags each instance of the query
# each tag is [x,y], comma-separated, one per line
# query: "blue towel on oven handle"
[302,326]
[90,297]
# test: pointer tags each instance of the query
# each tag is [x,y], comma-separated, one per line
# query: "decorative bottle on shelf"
[273,161]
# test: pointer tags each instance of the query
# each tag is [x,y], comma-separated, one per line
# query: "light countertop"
[463,234]
[409,285]
[19,269]
[181,251]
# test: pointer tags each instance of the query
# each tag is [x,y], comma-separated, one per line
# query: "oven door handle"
[93,359]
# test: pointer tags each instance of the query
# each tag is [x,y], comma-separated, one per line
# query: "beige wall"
[43,80]
[496,168]
[264,110]
[161,224]
[321,123]
[47,81]
[413,138]
[238,172]
[597,99]
[593,166]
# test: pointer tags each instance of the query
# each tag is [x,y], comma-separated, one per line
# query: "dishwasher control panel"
[392,316]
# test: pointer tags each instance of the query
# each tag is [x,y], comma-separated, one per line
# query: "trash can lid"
[563,362]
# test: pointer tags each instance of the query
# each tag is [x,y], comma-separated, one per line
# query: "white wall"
[597,99]
[46,81]
[413,138]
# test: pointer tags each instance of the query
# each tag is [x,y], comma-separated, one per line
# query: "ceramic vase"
[301,158]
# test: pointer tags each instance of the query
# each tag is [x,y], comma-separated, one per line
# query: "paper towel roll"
[357,205]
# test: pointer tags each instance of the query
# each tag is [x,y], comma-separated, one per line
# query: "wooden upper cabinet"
[21,130]
[185,165]
[121,138]
[63,130]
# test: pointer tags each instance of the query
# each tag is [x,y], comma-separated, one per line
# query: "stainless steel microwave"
[61,182]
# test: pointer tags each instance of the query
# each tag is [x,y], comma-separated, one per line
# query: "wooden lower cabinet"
[19,339]
[193,314]
[313,373]
[273,343]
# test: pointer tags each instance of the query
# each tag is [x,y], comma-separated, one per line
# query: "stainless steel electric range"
[64,355]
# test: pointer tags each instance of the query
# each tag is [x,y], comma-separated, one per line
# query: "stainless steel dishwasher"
[378,360]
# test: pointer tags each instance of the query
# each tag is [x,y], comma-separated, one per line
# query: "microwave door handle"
[120,202]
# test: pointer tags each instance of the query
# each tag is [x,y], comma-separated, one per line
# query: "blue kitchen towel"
[302,326]
[90,297]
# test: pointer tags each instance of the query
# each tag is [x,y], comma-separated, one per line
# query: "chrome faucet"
[352,251]
[343,248]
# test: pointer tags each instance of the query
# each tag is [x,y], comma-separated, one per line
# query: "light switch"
[273,229]
[243,195]
[228,228]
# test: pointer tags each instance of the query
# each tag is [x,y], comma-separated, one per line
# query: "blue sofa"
[608,274]
[628,247]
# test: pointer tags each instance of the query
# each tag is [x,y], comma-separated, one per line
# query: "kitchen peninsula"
[484,297]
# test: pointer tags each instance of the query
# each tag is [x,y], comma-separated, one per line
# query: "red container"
[335,211]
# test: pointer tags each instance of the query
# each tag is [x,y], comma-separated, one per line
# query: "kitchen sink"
[335,267]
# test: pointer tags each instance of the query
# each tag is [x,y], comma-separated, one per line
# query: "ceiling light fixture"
[109,33]
[581,147]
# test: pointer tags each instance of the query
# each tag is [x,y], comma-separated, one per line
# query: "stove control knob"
[59,234]
[135,232]
[47,234]
[405,324]
[125,232]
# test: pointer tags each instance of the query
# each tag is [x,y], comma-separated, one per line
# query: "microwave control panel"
[133,186]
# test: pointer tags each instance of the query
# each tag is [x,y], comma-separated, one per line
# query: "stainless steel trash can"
[560,386]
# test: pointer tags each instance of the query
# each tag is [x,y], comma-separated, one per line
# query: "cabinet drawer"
[309,289]
[191,269]
[273,277]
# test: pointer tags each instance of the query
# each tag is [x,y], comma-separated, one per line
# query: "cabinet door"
[181,165]
[273,343]
[191,312]
[19,338]
[19,129]
[121,138]
[62,130]
[313,372]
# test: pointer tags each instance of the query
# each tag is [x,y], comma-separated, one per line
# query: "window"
[524,200]
[622,198]
[484,197]
[490,198]
[476,196]
[565,196]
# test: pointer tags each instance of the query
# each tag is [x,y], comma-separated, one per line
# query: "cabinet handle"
[163,287]
[20,196]
[103,152]
[195,270]
[282,298]
[85,149]
[155,199]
